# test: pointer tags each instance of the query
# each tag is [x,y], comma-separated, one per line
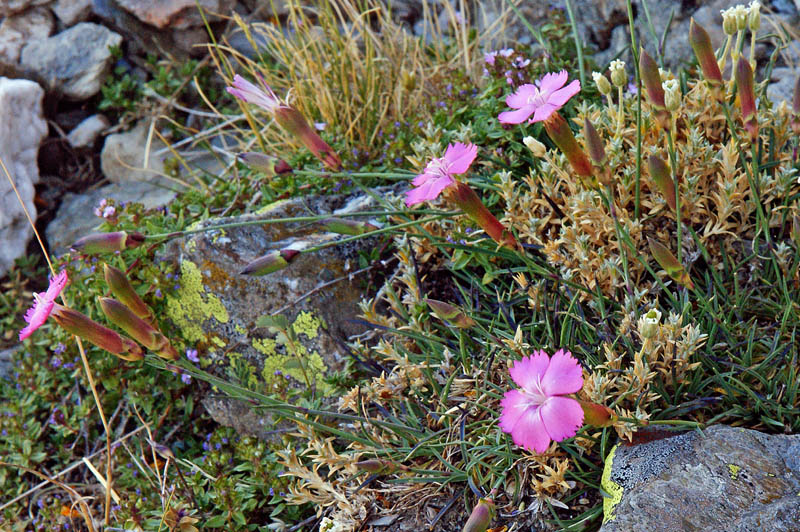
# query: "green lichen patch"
[613,489]
[192,305]
[733,470]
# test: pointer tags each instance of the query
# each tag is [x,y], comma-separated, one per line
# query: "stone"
[123,156]
[723,479]
[74,62]
[781,87]
[217,308]
[7,361]
[19,29]
[85,133]
[75,217]
[173,14]
[70,12]
[12,7]
[22,128]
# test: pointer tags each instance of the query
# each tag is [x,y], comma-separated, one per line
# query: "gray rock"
[7,361]
[74,62]
[12,7]
[19,29]
[175,14]
[724,479]
[217,308]
[70,12]
[781,87]
[22,128]
[75,217]
[87,131]
[123,156]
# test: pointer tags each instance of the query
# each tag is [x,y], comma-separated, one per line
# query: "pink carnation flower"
[539,412]
[246,91]
[43,305]
[438,174]
[540,100]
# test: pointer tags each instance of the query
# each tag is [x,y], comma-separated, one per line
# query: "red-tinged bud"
[796,108]
[376,466]
[796,230]
[76,323]
[466,199]
[346,227]
[594,143]
[451,314]
[481,516]
[107,242]
[295,123]
[265,164]
[667,260]
[701,44]
[597,415]
[137,328]
[273,261]
[659,172]
[123,290]
[559,131]
[651,78]
[747,97]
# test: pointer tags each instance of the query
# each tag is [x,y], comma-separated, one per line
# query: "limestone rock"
[74,62]
[70,12]
[87,131]
[123,156]
[175,14]
[217,308]
[22,128]
[12,7]
[725,479]
[19,29]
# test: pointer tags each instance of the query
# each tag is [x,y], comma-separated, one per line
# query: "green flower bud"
[602,83]
[123,290]
[618,76]
[649,323]
[271,262]
[672,95]
[451,314]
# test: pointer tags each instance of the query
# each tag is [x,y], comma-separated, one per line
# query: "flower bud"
[667,260]
[561,134]
[728,21]
[137,328]
[107,242]
[796,108]
[594,143]
[344,226]
[450,313]
[741,13]
[701,44]
[660,174]
[481,516]
[597,415]
[273,261]
[649,323]
[537,148]
[469,202]
[652,83]
[123,290]
[602,83]
[295,123]
[76,323]
[376,466]
[265,164]
[747,97]
[618,76]
[754,16]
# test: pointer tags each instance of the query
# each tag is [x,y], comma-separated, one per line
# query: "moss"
[613,489]
[734,469]
[191,305]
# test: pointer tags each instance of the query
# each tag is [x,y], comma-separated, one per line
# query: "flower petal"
[543,112]
[529,371]
[429,190]
[513,404]
[562,96]
[530,432]
[460,157]
[35,317]
[57,284]
[516,117]
[520,98]
[562,417]
[563,375]
[422,178]
[553,81]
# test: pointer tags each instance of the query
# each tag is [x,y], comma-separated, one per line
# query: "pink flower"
[539,412]
[43,305]
[438,175]
[246,91]
[540,100]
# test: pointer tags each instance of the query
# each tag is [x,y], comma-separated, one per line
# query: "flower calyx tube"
[747,97]
[137,328]
[704,51]
[273,261]
[561,134]
[80,325]
[667,260]
[107,242]
[450,313]
[123,290]
[481,517]
[468,201]
[651,78]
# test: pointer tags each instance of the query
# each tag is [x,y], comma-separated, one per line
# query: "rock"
[123,156]
[217,308]
[781,87]
[74,62]
[724,479]
[12,7]
[22,128]
[18,30]
[7,361]
[87,131]
[75,217]
[69,12]
[175,14]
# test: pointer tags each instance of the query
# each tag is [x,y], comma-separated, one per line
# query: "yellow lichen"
[238,328]
[734,469]
[265,345]
[613,489]
[272,206]
[192,305]
[307,324]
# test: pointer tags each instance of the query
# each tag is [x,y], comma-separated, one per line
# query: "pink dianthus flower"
[43,305]
[541,99]
[539,412]
[438,175]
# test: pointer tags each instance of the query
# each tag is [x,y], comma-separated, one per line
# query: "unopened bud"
[747,97]
[701,44]
[465,198]
[137,328]
[560,133]
[649,323]
[265,164]
[594,143]
[451,314]
[295,123]
[602,83]
[660,174]
[728,21]
[667,260]
[344,226]
[796,108]
[481,516]
[672,95]
[123,290]
[597,415]
[271,262]
[537,148]
[618,76]
[741,13]
[651,78]
[107,242]
[76,323]
[376,466]
[754,16]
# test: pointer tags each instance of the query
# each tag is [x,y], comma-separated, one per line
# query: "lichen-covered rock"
[217,308]
[724,479]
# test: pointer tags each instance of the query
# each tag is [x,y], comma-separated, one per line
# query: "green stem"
[673,162]
[578,47]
